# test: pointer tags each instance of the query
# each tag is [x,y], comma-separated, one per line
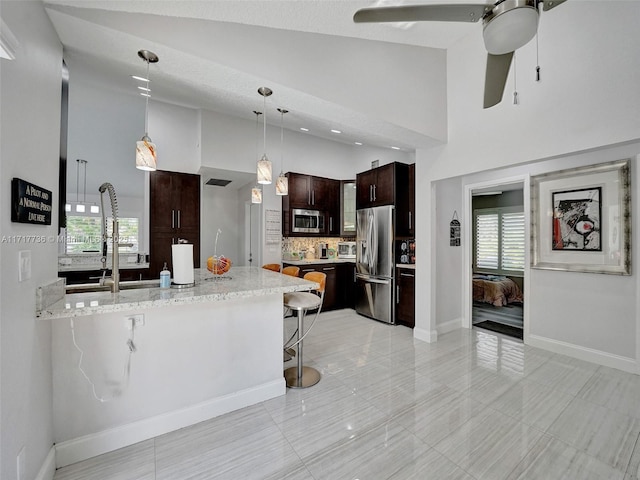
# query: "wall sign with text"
[30,203]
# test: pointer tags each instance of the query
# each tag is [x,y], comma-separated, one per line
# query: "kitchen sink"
[126,285]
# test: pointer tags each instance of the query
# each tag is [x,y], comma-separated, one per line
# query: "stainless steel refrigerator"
[375,263]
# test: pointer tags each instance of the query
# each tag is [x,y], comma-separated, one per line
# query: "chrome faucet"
[114,281]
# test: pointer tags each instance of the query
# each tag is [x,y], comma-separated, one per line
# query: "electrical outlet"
[136,320]
[21,464]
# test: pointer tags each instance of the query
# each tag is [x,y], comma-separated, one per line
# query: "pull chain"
[537,61]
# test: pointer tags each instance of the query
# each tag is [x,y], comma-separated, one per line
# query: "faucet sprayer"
[115,271]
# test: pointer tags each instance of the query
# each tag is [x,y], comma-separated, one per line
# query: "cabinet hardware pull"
[374,193]
[397,294]
[178,218]
[313,197]
[371,193]
[330,224]
[329,268]
[173,219]
[308,270]
[407,275]
[409,220]
[309,197]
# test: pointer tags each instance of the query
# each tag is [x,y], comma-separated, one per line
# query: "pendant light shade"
[264,164]
[282,183]
[146,156]
[264,170]
[256,194]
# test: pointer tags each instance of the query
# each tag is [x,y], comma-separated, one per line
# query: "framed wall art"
[581,219]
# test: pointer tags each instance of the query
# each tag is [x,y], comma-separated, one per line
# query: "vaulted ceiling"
[380,84]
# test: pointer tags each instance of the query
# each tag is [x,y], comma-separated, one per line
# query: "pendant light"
[145,148]
[282,183]
[256,191]
[264,164]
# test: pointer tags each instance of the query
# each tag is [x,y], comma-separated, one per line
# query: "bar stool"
[275,267]
[302,302]
[291,270]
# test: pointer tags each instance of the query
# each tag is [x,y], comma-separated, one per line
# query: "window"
[84,234]
[499,240]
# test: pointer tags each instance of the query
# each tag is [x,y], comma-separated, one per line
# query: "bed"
[497,290]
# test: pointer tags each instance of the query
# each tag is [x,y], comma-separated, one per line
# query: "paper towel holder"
[182,241]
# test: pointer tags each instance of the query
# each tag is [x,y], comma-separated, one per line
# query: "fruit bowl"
[218,265]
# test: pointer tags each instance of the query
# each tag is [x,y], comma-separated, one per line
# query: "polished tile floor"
[474,405]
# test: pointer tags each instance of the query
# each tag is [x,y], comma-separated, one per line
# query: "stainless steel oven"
[307,221]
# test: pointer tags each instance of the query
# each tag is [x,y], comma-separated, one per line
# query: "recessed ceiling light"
[396,148]
[335,131]
[144,88]
[144,94]
[304,129]
[142,79]
[358,143]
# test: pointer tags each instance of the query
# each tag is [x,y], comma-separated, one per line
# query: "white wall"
[587,104]
[30,89]
[448,259]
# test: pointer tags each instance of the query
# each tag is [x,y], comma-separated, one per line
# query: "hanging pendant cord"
[281,140]
[77,180]
[264,108]
[146,108]
[84,189]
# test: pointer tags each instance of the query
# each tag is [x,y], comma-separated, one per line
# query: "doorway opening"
[498,254]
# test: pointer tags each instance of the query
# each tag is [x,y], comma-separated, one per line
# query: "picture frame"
[581,219]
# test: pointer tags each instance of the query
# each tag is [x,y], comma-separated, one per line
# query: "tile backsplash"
[307,245]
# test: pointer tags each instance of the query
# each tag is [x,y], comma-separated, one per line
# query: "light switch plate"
[24,262]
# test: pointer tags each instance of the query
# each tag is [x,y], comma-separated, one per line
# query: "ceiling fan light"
[510,28]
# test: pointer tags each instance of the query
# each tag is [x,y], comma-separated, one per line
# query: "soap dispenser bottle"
[165,277]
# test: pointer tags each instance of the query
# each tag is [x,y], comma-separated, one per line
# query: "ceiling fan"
[506,26]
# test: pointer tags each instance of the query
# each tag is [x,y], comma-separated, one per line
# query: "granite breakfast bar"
[193,354]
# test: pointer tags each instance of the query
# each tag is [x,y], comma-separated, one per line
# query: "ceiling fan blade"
[414,13]
[496,78]
[549,4]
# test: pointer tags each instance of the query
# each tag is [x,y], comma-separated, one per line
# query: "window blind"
[513,241]
[487,241]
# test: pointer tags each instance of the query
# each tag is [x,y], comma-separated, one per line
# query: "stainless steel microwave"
[307,221]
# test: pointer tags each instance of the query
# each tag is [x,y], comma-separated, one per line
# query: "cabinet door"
[186,189]
[162,210]
[348,210]
[405,301]
[326,195]
[160,252]
[384,186]
[346,284]
[412,200]
[330,301]
[364,188]
[299,190]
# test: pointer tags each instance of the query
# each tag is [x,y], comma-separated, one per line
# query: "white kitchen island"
[202,351]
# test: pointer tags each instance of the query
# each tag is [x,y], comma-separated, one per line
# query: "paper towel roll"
[182,255]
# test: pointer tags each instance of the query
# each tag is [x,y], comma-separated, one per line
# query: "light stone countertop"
[239,282]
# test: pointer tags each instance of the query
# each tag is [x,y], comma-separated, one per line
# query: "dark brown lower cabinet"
[338,291]
[405,297]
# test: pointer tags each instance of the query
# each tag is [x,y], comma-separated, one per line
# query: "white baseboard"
[48,469]
[449,326]
[81,448]
[428,336]
[584,353]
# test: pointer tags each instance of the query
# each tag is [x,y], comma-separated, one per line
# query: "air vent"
[218,182]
